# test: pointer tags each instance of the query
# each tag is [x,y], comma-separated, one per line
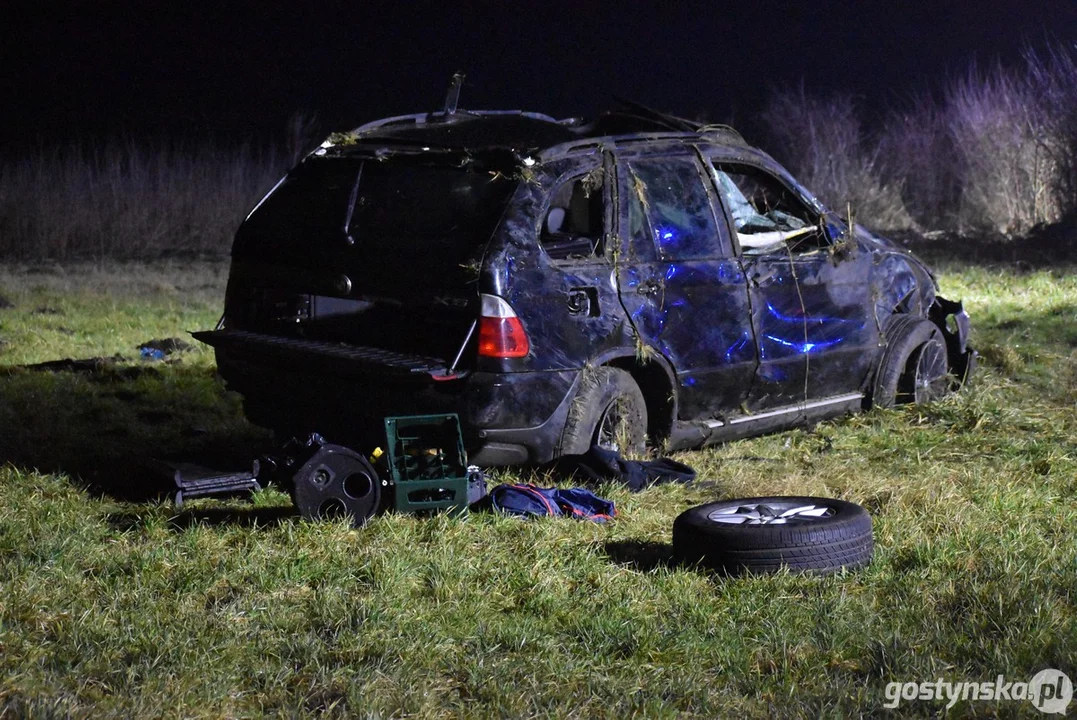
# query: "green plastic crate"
[427,463]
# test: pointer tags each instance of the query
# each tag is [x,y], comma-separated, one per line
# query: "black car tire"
[337,482]
[608,406]
[725,537]
[914,366]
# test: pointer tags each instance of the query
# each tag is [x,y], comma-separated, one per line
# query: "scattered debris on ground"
[526,500]
[94,364]
[160,349]
[599,465]
[99,369]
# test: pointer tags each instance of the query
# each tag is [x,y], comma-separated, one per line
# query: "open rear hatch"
[362,262]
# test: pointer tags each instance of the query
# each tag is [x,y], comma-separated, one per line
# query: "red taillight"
[502,337]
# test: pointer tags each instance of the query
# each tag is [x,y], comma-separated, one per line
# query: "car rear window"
[383,204]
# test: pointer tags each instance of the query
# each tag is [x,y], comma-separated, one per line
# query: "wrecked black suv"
[559,283]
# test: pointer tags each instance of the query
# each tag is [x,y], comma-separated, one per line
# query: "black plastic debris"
[599,465]
[197,481]
[160,349]
[337,483]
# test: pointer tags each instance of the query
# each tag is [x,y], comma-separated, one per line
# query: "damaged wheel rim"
[612,430]
[773,513]
[931,373]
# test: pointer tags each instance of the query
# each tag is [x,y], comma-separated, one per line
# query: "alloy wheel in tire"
[611,430]
[930,377]
[914,366]
[773,513]
[609,410]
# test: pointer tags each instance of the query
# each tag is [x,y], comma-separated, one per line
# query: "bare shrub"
[1013,130]
[996,151]
[1053,76]
[1001,148]
[125,199]
[821,141]
[915,152]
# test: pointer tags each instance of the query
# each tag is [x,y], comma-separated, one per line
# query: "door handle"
[760,276]
[649,288]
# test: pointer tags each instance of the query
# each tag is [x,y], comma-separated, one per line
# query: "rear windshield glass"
[383,204]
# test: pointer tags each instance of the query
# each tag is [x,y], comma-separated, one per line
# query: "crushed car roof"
[521,130]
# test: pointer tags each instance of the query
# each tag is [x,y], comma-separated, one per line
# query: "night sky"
[239,69]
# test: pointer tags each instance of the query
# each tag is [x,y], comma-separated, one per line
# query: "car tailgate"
[333,357]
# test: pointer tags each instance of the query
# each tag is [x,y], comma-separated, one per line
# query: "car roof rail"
[723,133]
[672,122]
[590,143]
[442,116]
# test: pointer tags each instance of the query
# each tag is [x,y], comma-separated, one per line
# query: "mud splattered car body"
[534,275]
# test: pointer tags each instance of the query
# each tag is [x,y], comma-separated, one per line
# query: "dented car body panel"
[485,263]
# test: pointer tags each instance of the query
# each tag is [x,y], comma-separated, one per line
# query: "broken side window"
[573,226]
[766,215]
[677,207]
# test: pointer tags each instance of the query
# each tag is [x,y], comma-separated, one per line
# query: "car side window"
[573,226]
[677,208]
[766,215]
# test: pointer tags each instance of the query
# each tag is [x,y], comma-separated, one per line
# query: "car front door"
[681,283]
[810,296]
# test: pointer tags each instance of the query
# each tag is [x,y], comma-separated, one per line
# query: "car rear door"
[681,283]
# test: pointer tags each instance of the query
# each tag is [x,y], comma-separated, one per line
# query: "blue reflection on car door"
[682,286]
[812,317]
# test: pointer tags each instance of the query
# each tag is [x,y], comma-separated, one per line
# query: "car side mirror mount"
[840,233]
[839,229]
[835,228]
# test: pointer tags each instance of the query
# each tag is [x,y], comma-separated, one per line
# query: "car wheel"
[914,367]
[609,411]
[766,534]
[337,483]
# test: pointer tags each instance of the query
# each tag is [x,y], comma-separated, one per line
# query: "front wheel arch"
[914,364]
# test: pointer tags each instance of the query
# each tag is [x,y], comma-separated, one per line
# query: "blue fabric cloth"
[532,501]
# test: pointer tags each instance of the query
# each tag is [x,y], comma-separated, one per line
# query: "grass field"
[112,603]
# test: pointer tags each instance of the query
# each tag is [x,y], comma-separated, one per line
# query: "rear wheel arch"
[607,409]
[655,380]
[652,379]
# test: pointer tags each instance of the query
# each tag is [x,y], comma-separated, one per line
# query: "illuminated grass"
[115,607]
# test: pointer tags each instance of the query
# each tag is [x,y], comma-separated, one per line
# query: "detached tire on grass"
[766,534]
